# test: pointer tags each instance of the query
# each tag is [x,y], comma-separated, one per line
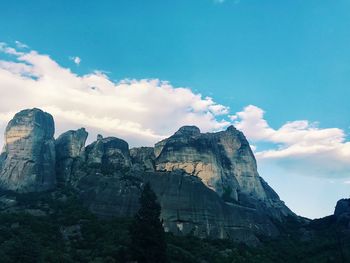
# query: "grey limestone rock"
[70,149]
[28,158]
[223,161]
[207,183]
[108,153]
[143,158]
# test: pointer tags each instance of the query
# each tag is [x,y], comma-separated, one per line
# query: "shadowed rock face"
[188,204]
[207,184]
[342,207]
[223,161]
[143,158]
[109,154]
[342,211]
[70,148]
[28,158]
[342,215]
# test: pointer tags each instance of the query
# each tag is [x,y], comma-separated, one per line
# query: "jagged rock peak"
[188,130]
[231,128]
[28,160]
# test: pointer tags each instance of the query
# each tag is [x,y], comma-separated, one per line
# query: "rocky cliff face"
[109,154]
[28,158]
[342,207]
[143,158]
[207,184]
[342,213]
[223,161]
[70,149]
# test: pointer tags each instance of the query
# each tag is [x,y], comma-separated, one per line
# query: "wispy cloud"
[21,45]
[76,60]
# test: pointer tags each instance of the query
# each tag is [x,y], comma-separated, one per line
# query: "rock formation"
[70,148]
[143,158]
[342,207]
[342,213]
[206,183]
[28,158]
[110,154]
[223,161]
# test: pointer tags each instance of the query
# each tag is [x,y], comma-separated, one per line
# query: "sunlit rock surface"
[28,158]
[207,183]
[223,161]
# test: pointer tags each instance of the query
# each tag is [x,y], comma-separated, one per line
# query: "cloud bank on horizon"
[145,111]
[298,146]
[141,111]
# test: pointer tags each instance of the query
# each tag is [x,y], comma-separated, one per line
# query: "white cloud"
[140,111]
[4,48]
[21,45]
[145,111]
[76,60]
[298,145]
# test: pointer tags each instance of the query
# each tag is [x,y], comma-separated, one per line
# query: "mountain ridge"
[207,183]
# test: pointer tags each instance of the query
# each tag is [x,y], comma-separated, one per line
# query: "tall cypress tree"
[147,234]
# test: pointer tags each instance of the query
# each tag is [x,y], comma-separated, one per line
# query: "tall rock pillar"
[28,157]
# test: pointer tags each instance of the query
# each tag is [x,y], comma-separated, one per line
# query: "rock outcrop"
[70,149]
[188,206]
[342,207]
[110,154]
[28,158]
[207,183]
[342,213]
[143,158]
[104,182]
[223,161]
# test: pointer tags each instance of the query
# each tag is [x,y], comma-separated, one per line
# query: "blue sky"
[289,58]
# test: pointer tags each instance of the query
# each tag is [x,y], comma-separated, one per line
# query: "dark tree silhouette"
[147,234]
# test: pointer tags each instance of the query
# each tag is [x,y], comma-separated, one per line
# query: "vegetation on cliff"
[55,227]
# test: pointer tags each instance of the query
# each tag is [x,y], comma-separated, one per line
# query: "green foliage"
[28,238]
[147,233]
